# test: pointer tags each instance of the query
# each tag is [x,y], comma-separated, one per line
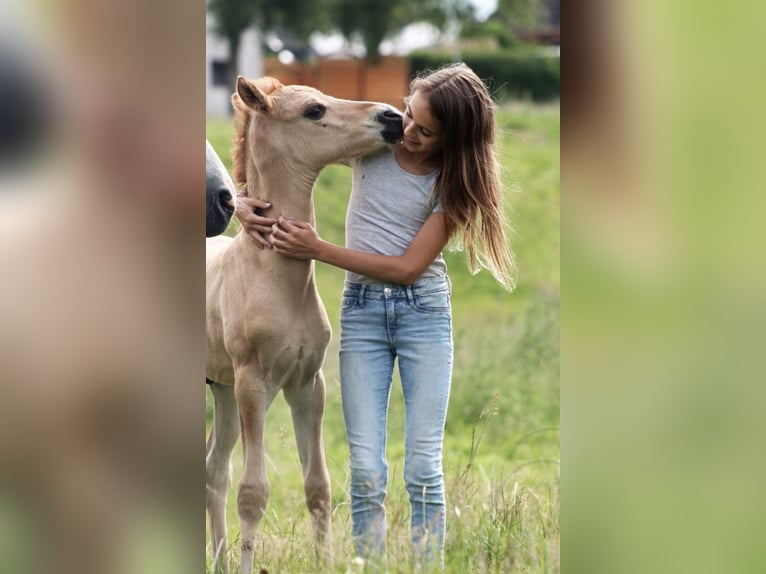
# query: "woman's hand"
[257,227]
[296,239]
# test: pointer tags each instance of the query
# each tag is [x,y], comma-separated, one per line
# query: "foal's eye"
[314,112]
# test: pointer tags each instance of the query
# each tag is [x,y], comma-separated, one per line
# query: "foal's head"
[304,127]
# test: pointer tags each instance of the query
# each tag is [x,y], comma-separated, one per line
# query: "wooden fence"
[387,81]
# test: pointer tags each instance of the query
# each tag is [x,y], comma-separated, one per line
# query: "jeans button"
[387,291]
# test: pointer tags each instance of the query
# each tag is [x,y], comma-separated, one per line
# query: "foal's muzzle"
[391,119]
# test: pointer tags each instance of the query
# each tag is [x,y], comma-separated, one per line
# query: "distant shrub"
[520,73]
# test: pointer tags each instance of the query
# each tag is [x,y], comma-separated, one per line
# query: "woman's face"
[422,132]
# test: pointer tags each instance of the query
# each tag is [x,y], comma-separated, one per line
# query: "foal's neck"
[288,188]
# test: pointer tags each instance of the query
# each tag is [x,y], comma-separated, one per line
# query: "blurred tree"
[232,17]
[373,20]
[521,14]
[298,17]
[370,20]
[492,29]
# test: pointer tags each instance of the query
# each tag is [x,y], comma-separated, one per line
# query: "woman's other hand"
[296,239]
[257,227]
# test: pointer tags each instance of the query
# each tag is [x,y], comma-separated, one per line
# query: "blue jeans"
[381,323]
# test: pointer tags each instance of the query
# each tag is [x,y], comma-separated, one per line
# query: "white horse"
[219,193]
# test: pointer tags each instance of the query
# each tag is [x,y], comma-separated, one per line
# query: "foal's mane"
[243,115]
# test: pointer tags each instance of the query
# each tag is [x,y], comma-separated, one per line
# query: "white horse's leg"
[223,437]
[253,401]
[307,405]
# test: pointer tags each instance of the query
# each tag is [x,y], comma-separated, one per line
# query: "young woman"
[439,184]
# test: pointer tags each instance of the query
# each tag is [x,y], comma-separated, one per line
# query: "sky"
[484,7]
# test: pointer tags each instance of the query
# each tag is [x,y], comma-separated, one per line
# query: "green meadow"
[501,451]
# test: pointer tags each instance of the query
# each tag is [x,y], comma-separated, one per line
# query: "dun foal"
[267,329]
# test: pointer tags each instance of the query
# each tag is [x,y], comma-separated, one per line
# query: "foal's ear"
[251,96]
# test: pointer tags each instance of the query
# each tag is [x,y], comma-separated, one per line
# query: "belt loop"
[410,295]
[362,289]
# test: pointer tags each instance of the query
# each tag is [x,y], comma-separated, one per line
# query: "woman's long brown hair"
[468,186]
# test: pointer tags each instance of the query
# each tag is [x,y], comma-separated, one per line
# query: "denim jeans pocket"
[433,301]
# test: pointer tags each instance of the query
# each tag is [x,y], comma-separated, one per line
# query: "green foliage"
[502,434]
[232,17]
[519,73]
[370,19]
[518,14]
[490,29]
[373,20]
[299,17]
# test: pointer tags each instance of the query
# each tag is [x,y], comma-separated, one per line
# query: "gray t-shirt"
[388,207]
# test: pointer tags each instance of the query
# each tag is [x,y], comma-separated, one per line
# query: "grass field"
[501,452]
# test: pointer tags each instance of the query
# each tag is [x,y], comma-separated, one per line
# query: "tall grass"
[501,456]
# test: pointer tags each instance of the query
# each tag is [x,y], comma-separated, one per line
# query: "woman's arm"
[299,240]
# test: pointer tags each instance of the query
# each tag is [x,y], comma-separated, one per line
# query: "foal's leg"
[307,405]
[253,400]
[223,437]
